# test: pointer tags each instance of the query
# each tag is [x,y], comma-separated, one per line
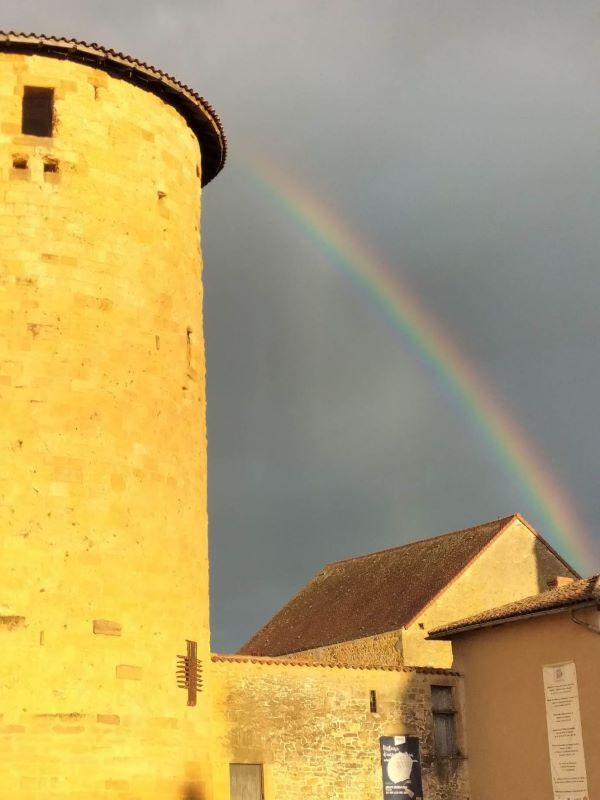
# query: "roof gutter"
[592,628]
[451,632]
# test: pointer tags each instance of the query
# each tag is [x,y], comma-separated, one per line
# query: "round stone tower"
[103,567]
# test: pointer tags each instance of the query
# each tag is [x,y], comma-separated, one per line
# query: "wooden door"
[246,781]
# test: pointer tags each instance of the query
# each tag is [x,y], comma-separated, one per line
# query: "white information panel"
[565,742]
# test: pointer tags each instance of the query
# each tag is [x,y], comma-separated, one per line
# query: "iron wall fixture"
[189,672]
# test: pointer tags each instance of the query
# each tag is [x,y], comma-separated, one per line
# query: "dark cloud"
[461,140]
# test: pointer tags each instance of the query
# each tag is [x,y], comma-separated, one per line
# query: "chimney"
[559,580]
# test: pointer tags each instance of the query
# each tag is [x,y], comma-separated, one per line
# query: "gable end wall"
[515,565]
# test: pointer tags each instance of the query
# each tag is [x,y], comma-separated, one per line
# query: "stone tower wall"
[103,566]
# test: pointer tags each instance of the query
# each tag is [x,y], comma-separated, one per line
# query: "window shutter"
[443,735]
[442,699]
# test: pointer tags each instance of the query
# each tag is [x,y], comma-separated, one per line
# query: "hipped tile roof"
[371,594]
[199,114]
[580,592]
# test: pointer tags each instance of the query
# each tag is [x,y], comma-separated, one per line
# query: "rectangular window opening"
[444,721]
[50,166]
[38,111]
[373,701]
[20,162]
[246,782]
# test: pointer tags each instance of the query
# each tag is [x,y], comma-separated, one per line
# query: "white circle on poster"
[399,767]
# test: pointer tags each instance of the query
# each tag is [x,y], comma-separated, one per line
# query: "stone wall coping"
[292,662]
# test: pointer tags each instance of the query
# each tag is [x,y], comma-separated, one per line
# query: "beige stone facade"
[311,728]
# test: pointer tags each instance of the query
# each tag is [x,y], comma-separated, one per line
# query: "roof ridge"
[503,520]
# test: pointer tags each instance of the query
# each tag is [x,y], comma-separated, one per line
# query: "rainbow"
[435,351]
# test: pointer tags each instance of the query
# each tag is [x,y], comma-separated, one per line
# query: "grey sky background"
[461,139]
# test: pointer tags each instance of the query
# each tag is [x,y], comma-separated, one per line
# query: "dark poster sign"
[401,767]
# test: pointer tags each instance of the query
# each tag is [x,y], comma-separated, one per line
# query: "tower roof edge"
[199,114]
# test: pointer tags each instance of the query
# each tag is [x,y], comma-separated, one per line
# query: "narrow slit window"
[373,701]
[38,111]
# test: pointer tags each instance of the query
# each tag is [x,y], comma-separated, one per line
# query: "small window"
[373,701]
[444,721]
[38,111]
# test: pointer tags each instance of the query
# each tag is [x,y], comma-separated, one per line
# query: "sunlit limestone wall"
[312,729]
[103,567]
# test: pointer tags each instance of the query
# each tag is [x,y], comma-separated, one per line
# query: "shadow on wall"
[548,566]
[312,726]
[191,792]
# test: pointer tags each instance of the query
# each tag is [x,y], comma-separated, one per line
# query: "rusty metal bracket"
[189,672]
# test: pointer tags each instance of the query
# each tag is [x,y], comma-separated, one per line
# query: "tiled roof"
[198,113]
[371,594]
[293,662]
[580,592]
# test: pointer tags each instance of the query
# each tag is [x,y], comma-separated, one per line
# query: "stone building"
[108,688]
[379,608]
[369,613]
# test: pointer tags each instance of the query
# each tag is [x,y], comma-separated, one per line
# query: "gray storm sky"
[460,139]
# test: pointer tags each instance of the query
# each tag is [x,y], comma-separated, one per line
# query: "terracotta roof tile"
[199,114]
[585,591]
[371,594]
[293,662]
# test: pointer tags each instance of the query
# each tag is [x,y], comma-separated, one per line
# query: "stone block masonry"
[311,728]
[106,627]
[104,569]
